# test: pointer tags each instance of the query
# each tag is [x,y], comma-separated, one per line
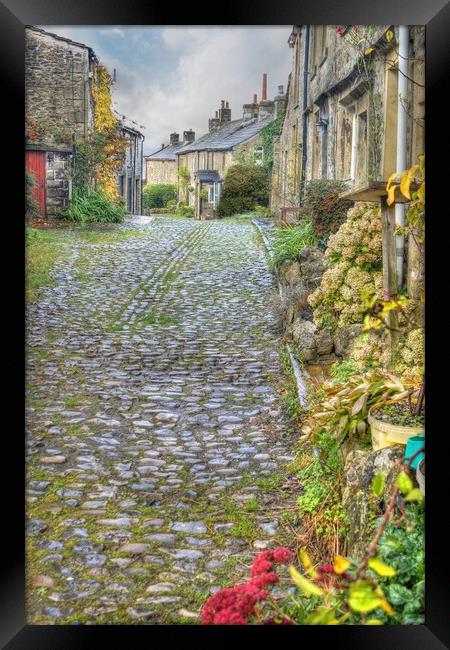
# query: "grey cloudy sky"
[173,78]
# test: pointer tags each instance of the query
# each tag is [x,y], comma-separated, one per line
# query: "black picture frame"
[14,15]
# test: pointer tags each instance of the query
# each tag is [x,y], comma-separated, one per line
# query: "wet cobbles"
[154,429]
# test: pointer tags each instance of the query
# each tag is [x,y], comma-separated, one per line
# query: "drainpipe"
[403,50]
[305,116]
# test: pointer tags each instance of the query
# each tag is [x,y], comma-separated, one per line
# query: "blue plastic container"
[412,446]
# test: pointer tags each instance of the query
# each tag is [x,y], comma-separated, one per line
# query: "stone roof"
[229,136]
[168,153]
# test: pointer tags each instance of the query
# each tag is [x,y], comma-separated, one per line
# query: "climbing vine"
[268,134]
[100,156]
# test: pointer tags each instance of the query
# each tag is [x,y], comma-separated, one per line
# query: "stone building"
[129,180]
[59,110]
[161,166]
[227,141]
[342,108]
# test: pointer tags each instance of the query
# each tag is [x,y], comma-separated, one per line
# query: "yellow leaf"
[306,561]
[308,587]
[391,194]
[390,179]
[367,51]
[341,564]
[387,607]
[389,36]
[381,568]
[414,495]
[374,621]
[362,597]
[404,483]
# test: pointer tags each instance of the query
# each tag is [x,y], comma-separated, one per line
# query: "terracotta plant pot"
[385,434]
[420,476]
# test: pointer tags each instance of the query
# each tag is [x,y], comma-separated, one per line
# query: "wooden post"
[389,268]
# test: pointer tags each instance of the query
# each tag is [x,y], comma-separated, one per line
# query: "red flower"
[282,555]
[340,30]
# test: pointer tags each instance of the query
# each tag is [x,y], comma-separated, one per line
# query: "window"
[258,155]
[211,194]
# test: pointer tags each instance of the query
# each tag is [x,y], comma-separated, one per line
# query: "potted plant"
[420,475]
[394,421]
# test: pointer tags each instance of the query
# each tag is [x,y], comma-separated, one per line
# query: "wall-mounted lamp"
[322,123]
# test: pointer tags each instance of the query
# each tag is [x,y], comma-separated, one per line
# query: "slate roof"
[230,135]
[168,153]
[207,175]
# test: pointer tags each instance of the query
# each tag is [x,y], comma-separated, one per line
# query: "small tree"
[184,178]
[245,186]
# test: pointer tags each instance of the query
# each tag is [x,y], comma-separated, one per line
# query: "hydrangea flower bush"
[355,256]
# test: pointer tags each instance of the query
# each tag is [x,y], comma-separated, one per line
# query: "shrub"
[288,242]
[245,186]
[327,210]
[184,211]
[157,196]
[91,205]
[262,211]
[355,255]
[31,206]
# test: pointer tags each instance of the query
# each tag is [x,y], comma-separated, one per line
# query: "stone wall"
[58,190]
[161,172]
[58,94]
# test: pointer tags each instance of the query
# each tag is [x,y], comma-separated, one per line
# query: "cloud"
[173,78]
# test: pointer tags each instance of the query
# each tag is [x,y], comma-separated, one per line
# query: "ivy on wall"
[268,134]
[100,156]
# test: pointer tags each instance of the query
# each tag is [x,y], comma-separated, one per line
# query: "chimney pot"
[280,90]
[255,98]
[264,87]
[223,103]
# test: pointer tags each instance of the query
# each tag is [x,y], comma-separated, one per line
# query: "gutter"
[403,52]
[305,116]
[296,367]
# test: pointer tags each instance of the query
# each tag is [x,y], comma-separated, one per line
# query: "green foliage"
[245,186]
[340,372]
[327,210]
[184,211]
[402,546]
[158,196]
[262,211]
[31,206]
[88,205]
[184,179]
[268,135]
[288,242]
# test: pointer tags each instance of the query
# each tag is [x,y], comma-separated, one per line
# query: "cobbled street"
[154,427]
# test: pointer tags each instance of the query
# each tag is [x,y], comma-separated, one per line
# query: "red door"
[35,165]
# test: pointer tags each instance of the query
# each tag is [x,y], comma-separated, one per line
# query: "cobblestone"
[152,414]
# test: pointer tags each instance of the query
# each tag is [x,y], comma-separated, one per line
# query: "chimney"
[255,98]
[264,87]
[188,136]
[174,138]
[224,113]
[213,124]
[162,145]
[280,90]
